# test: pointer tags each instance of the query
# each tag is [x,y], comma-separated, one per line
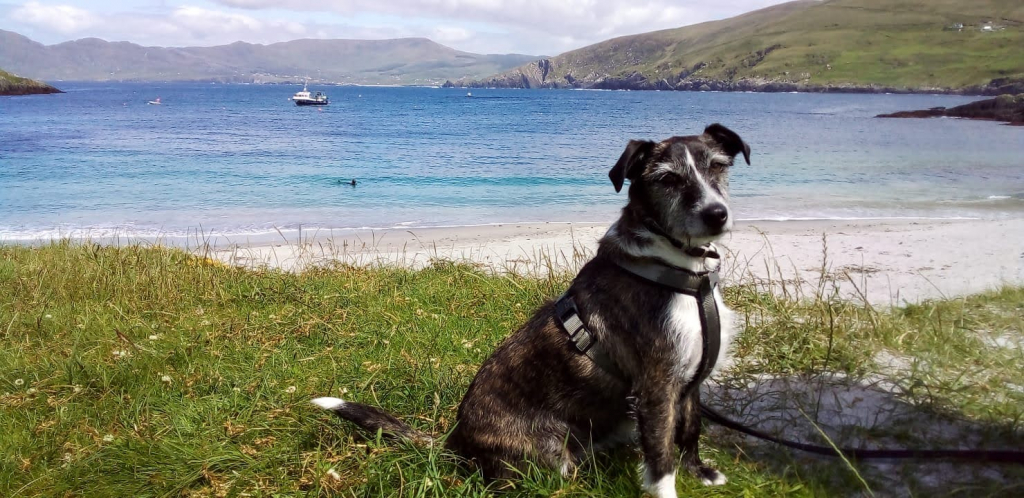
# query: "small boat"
[154,102]
[306,98]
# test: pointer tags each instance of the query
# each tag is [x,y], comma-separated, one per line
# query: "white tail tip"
[328,403]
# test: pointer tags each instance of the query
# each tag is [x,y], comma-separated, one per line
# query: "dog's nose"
[715,216]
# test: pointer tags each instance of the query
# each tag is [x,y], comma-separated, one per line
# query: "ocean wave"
[127,234]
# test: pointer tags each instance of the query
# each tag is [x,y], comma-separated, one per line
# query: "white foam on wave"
[131,233]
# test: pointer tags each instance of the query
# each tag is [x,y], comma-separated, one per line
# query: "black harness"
[700,285]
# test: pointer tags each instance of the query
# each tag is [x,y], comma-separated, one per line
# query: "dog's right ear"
[629,165]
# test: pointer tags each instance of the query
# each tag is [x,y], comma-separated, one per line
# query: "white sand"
[888,262]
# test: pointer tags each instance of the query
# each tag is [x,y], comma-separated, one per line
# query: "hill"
[16,85]
[406,61]
[836,45]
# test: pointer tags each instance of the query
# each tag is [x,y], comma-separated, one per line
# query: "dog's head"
[680,184]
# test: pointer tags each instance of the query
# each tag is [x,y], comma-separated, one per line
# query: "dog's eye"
[671,179]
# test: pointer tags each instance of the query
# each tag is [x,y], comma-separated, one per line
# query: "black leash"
[701,286]
[999,456]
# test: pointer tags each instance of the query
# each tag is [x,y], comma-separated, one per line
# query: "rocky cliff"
[1009,108]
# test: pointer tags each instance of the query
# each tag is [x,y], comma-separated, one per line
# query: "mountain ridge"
[401,61]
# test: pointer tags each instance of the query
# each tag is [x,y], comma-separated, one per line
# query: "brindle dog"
[537,398]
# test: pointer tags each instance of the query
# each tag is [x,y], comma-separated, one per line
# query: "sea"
[242,162]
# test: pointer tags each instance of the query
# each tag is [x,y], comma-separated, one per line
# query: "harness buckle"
[569,315]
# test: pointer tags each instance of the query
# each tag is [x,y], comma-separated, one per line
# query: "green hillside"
[16,85]
[914,44]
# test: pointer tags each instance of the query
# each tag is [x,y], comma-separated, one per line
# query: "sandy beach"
[887,262]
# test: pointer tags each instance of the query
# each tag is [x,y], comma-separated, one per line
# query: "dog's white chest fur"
[682,324]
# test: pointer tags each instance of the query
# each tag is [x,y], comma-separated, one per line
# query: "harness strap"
[699,285]
[702,287]
[568,316]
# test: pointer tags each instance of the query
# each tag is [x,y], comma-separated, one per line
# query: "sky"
[534,27]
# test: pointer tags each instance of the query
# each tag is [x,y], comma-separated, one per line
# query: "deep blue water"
[242,159]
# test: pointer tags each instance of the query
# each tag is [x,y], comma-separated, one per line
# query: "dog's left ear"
[630,162]
[730,142]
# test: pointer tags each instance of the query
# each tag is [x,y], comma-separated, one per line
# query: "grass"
[141,371]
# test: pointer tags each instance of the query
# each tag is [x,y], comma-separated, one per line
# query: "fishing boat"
[154,102]
[306,98]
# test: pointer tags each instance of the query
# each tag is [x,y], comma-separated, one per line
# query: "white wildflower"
[108,438]
[19,382]
[333,474]
[290,389]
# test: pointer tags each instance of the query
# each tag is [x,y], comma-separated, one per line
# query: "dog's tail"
[374,419]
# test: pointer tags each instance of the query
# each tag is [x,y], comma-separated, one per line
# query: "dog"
[538,398]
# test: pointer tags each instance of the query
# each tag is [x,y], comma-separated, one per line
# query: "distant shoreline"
[749,86]
[772,88]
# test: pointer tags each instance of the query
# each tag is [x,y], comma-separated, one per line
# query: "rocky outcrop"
[15,85]
[1008,108]
[542,74]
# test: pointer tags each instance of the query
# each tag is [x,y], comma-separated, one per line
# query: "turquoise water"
[243,160]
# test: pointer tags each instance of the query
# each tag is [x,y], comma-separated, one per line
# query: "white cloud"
[204,25]
[540,27]
[64,19]
[536,26]
[450,34]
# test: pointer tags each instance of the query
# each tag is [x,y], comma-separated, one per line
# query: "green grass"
[141,371]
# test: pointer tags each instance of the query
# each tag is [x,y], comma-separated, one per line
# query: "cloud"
[559,25]
[204,25]
[181,26]
[451,34]
[539,27]
[63,19]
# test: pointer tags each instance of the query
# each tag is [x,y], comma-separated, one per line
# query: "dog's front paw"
[710,476]
[659,487]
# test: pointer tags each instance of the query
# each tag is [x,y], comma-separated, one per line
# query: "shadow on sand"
[870,413]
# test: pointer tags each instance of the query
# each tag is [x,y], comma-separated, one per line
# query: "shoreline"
[885,262]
